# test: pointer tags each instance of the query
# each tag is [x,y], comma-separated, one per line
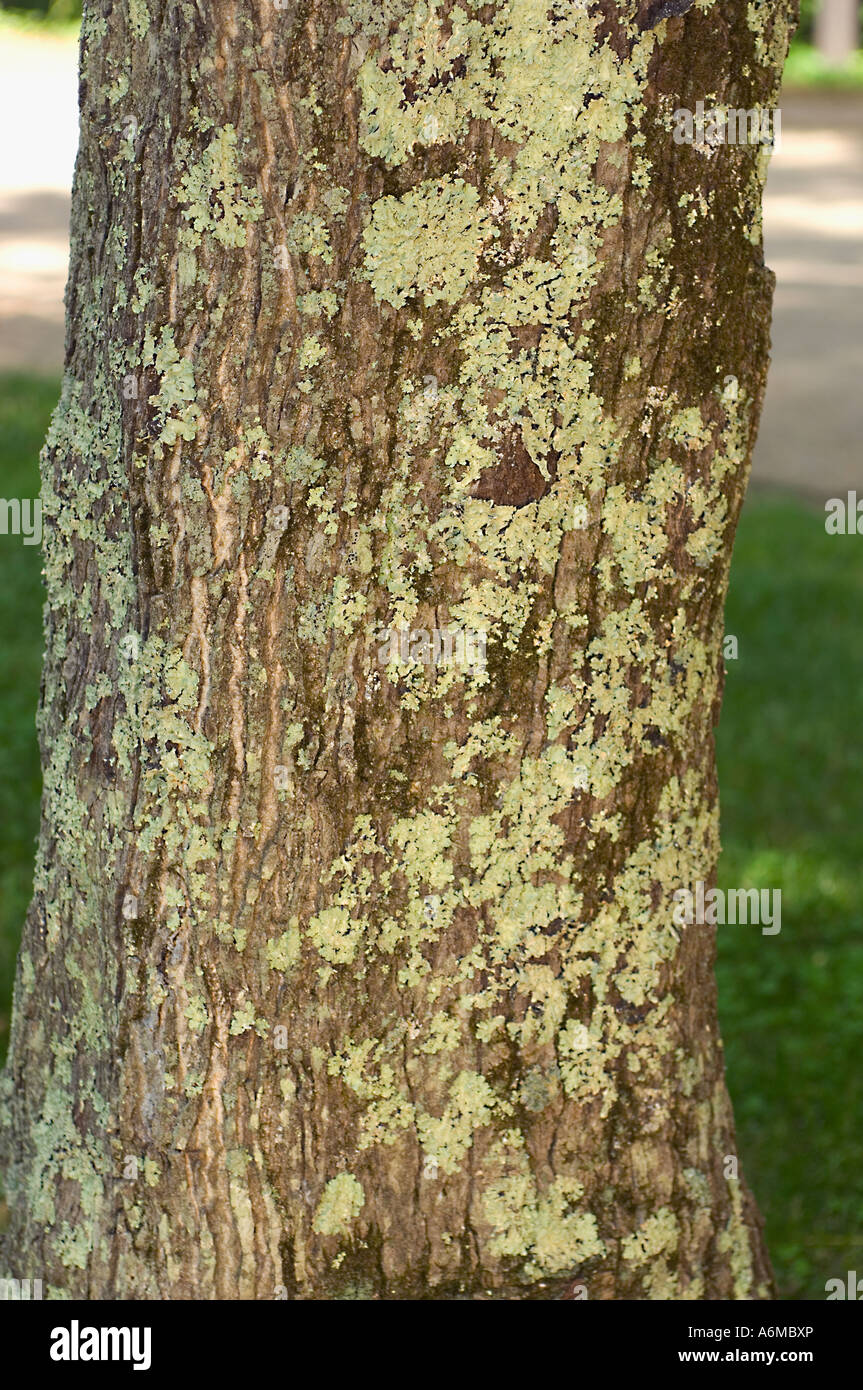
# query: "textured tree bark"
[349,973]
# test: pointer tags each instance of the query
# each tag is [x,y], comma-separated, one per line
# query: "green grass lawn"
[791,772]
[806,67]
[25,406]
[791,779]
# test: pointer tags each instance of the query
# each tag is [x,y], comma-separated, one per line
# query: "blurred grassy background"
[791,773]
[791,781]
[26,403]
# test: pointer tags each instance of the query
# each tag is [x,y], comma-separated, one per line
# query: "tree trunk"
[837,29]
[351,969]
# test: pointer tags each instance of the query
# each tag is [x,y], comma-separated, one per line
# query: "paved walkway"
[812,426]
[813,415]
[39,120]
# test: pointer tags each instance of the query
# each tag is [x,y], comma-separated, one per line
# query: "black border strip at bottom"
[391,1344]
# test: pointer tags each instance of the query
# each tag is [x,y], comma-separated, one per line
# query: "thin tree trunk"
[837,29]
[349,974]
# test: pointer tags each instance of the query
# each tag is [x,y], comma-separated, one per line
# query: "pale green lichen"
[196,1013]
[342,1201]
[212,198]
[735,1242]
[244,1020]
[367,1069]
[653,1244]
[547,1230]
[139,17]
[427,243]
[284,953]
[175,399]
[335,935]
[470,1106]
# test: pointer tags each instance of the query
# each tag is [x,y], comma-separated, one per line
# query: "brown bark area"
[202,1045]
